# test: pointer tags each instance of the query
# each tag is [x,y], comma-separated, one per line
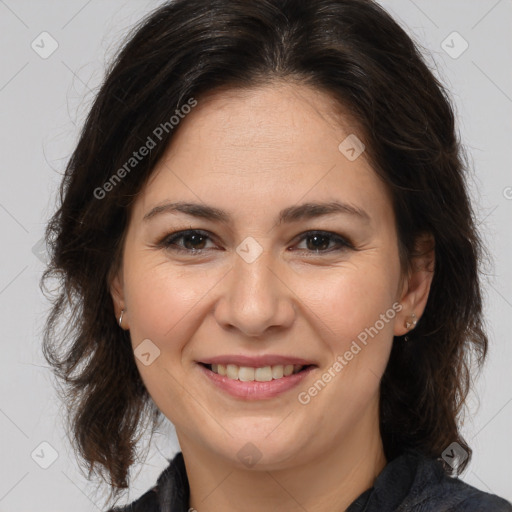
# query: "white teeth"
[232,371]
[246,374]
[277,371]
[262,374]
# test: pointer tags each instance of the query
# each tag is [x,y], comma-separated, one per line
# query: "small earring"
[409,325]
[121,317]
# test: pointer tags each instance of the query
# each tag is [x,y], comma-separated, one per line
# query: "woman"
[265,236]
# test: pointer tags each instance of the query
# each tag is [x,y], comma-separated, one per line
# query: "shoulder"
[435,490]
[148,502]
[453,495]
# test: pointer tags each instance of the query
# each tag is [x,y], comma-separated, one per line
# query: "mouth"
[249,383]
[256,374]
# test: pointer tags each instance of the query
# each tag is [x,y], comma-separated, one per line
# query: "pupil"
[192,238]
[320,246]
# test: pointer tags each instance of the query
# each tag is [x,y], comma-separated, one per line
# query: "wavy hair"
[354,51]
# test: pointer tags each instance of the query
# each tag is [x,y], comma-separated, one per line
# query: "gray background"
[43,104]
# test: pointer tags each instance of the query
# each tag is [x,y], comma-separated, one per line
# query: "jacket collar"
[405,474]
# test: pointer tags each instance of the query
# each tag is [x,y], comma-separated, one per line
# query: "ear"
[116,287]
[416,285]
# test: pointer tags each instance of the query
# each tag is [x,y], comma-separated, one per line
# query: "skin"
[253,153]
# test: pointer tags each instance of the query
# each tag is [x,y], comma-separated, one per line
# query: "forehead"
[272,145]
[281,120]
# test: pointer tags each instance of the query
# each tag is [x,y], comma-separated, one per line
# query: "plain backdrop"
[43,102]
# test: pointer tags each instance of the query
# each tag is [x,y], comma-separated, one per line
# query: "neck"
[330,481]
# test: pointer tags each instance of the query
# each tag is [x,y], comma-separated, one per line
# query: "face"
[263,275]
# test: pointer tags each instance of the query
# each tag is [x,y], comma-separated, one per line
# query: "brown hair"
[351,49]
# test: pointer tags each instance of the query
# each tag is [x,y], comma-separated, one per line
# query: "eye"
[319,242]
[194,241]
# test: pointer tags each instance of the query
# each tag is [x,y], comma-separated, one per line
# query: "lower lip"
[254,390]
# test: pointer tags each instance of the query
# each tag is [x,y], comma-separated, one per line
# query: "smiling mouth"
[260,374]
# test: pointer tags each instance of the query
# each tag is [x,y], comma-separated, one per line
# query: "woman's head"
[257,118]
[266,282]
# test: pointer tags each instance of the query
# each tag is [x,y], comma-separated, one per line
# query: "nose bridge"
[254,299]
[254,280]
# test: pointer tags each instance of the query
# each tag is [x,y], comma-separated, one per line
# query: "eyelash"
[168,241]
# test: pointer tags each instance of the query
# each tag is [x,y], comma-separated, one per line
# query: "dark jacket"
[409,483]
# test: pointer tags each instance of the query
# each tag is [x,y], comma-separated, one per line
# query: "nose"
[255,297]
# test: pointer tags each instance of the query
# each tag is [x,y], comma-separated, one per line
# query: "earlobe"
[416,287]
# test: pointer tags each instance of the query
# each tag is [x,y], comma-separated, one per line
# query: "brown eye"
[191,241]
[319,241]
[194,241]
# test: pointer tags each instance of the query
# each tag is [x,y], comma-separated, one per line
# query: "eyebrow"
[286,216]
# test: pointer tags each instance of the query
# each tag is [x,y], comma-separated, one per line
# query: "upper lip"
[256,361]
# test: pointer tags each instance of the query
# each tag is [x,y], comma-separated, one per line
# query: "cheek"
[345,308]
[161,301]
[350,299]
[165,307]
[354,319]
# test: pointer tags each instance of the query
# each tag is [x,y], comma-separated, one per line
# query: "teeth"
[232,371]
[245,374]
[277,371]
[263,374]
[248,374]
